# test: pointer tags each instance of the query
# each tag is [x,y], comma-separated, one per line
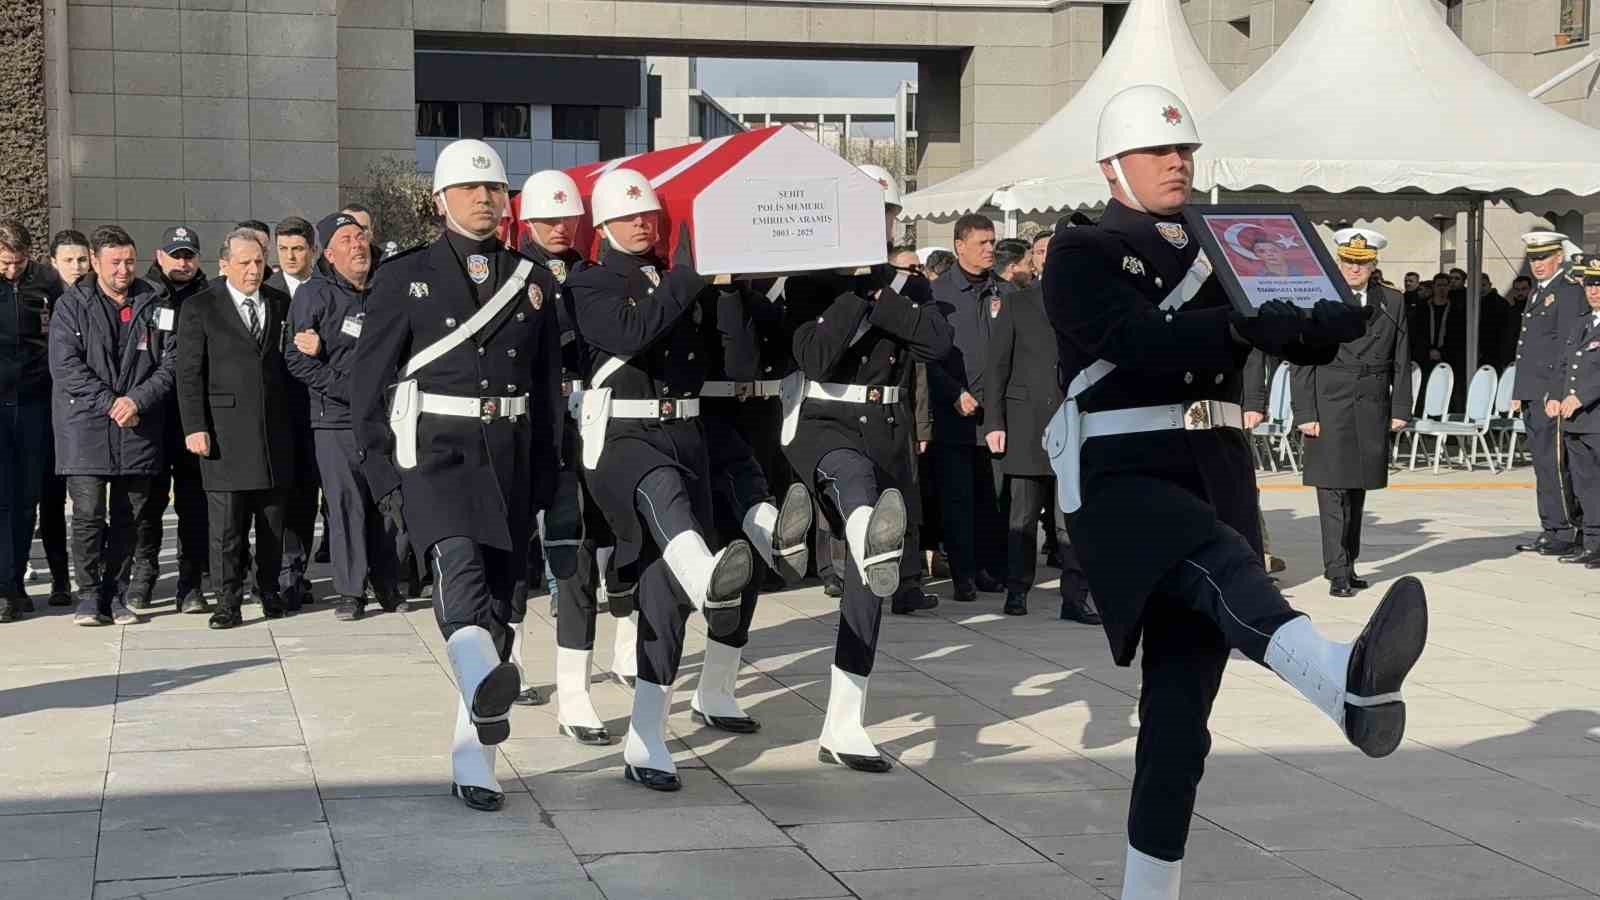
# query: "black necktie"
[255,320]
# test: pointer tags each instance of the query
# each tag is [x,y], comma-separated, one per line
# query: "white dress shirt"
[293,283]
[244,315]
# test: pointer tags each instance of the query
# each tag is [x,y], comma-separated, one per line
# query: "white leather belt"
[662,410]
[568,388]
[486,408]
[853,393]
[1199,416]
[741,389]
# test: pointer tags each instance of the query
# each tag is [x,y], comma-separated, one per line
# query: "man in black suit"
[1580,427]
[297,246]
[234,398]
[1438,329]
[1022,395]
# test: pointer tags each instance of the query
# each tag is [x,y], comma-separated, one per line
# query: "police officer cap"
[1142,116]
[330,225]
[551,194]
[468,161]
[1359,245]
[1588,268]
[891,188]
[1539,244]
[179,237]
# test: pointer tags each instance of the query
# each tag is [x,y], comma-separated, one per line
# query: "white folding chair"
[1435,404]
[1472,428]
[1279,423]
[1503,426]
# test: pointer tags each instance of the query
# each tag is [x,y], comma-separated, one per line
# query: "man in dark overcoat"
[1348,408]
[1580,415]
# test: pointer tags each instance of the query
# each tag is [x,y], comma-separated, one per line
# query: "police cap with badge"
[1358,245]
[1542,244]
[179,238]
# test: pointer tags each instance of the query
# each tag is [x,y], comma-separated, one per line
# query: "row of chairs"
[1487,423]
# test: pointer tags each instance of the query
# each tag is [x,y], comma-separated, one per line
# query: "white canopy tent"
[1378,102]
[1054,167]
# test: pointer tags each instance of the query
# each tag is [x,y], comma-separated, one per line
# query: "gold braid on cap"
[1543,249]
[1356,250]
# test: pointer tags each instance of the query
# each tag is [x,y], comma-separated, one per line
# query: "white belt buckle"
[1202,415]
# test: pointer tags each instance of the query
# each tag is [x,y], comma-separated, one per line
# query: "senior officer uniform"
[1157,480]
[476,444]
[1554,309]
[846,431]
[732,320]
[1354,402]
[646,452]
[1580,411]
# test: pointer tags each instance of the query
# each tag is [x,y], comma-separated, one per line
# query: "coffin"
[764,201]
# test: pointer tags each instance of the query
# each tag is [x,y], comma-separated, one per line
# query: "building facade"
[160,111]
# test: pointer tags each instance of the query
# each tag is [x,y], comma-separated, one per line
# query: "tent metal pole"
[1475,232]
[1589,59]
[1011,223]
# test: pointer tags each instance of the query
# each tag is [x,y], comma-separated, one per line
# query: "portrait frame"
[1286,258]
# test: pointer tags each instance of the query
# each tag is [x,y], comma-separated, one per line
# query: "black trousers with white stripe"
[1217,600]
[846,481]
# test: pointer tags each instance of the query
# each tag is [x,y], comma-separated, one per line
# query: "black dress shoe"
[530,697]
[194,603]
[731,724]
[1359,584]
[1533,546]
[1578,555]
[1590,559]
[988,584]
[1340,587]
[833,585]
[1016,603]
[965,591]
[853,761]
[492,701]
[226,617]
[273,607]
[1077,609]
[1558,547]
[912,598]
[23,603]
[60,594]
[594,737]
[350,609]
[392,602]
[654,779]
[480,799]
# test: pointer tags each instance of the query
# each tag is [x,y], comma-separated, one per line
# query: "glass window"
[575,123]
[506,120]
[436,119]
[1574,20]
[911,111]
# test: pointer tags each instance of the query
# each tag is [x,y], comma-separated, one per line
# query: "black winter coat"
[25,307]
[337,312]
[237,390]
[970,308]
[1148,499]
[90,370]
[1021,382]
[1354,398]
[824,316]
[475,480]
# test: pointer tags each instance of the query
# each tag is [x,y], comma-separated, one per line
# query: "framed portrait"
[1264,253]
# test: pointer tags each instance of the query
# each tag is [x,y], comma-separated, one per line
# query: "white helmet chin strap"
[1127,188]
[605,229]
[457,227]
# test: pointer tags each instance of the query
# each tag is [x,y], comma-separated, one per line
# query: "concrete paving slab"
[744,874]
[1020,881]
[323,885]
[593,833]
[58,879]
[206,721]
[48,836]
[211,670]
[493,863]
[909,844]
[1422,873]
[874,799]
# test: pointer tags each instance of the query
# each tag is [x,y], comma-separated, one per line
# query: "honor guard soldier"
[572,527]
[1554,310]
[1151,353]
[646,452]
[328,316]
[846,433]
[732,320]
[1580,420]
[1348,408]
[456,401]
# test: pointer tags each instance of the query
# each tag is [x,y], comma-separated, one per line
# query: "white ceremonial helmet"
[891,188]
[551,194]
[1145,115]
[620,193]
[468,161]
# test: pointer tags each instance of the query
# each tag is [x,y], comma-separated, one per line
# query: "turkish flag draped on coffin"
[766,201]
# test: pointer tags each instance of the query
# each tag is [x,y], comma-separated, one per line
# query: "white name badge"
[165,319]
[351,326]
[144,345]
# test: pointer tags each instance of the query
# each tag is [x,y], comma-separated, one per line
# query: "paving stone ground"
[309,758]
